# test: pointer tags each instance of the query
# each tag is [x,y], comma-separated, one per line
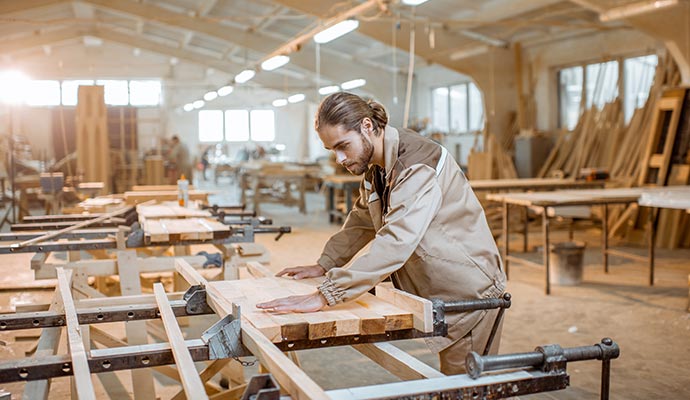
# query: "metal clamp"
[440,308]
[195,297]
[224,338]
[261,387]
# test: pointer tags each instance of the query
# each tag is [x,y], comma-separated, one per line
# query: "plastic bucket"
[567,260]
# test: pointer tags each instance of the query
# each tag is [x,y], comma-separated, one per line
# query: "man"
[427,229]
[179,155]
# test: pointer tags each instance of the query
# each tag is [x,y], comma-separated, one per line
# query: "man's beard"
[361,164]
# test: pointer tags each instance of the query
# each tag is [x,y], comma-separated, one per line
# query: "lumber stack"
[93,144]
[493,163]
[173,230]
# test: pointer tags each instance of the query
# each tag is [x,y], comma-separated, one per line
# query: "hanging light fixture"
[329,89]
[210,95]
[336,31]
[275,62]
[355,83]
[245,76]
[279,102]
[225,90]
[296,98]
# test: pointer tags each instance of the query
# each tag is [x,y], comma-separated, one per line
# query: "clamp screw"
[607,341]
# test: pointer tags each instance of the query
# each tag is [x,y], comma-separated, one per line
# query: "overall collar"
[391,139]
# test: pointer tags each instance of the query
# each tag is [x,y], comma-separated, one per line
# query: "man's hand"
[303,272]
[305,303]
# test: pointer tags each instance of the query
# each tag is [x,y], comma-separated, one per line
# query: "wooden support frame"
[189,376]
[397,362]
[75,345]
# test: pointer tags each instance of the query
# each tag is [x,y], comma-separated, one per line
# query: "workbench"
[545,201]
[243,331]
[348,184]
[274,182]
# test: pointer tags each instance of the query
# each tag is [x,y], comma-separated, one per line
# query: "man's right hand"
[303,272]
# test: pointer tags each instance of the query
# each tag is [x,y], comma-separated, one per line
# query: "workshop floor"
[649,323]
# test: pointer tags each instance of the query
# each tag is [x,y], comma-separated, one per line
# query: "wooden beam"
[192,276]
[191,382]
[75,345]
[258,270]
[397,362]
[421,308]
[9,7]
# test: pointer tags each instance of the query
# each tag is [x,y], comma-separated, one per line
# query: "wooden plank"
[130,285]
[188,272]
[259,270]
[397,362]
[191,382]
[421,308]
[209,372]
[75,345]
[47,346]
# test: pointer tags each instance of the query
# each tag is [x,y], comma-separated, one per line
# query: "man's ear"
[367,125]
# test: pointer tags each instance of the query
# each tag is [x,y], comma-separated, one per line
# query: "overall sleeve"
[356,232]
[414,201]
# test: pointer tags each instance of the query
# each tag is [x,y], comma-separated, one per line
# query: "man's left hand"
[305,303]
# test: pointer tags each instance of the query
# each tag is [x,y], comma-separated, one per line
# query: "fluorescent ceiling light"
[188,107]
[296,98]
[329,89]
[279,102]
[225,90]
[244,76]
[413,2]
[633,9]
[355,83]
[198,104]
[275,62]
[336,31]
[210,96]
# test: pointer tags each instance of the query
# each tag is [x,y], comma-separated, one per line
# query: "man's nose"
[340,157]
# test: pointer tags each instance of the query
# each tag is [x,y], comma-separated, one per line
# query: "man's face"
[353,149]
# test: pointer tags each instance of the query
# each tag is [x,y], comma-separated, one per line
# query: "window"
[458,108]
[570,96]
[263,125]
[439,103]
[144,93]
[237,125]
[43,93]
[210,126]
[639,75]
[116,92]
[69,91]
[600,83]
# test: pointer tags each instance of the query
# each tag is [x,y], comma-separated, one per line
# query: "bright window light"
[355,83]
[236,125]
[43,93]
[225,90]
[212,95]
[116,92]
[210,126]
[188,107]
[279,102]
[296,98]
[413,2]
[13,87]
[198,104]
[69,91]
[263,125]
[329,89]
[336,31]
[274,63]
[145,93]
[245,75]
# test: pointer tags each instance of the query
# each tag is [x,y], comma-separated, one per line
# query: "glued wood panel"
[367,315]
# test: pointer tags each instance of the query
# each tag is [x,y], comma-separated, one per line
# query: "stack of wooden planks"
[493,163]
[169,210]
[97,205]
[93,143]
[136,197]
[368,315]
[172,230]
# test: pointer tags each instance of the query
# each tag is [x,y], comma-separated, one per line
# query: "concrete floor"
[650,324]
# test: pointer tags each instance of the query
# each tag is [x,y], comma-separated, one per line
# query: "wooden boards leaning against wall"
[93,145]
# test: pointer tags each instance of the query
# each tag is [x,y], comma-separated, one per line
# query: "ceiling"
[199,45]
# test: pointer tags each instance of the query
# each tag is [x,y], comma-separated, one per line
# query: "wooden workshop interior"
[163,161]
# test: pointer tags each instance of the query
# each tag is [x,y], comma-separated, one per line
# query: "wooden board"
[141,197]
[167,230]
[366,315]
[159,211]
